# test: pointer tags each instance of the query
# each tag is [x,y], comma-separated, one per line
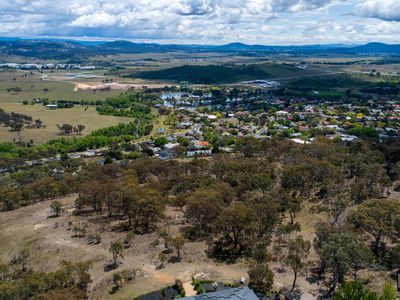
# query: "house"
[239,293]
[281,113]
[201,144]
[184,125]
[168,151]
[198,153]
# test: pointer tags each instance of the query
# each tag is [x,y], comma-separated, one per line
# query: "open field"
[76,115]
[389,69]
[343,59]
[34,87]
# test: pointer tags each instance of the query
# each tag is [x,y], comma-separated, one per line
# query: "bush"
[261,278]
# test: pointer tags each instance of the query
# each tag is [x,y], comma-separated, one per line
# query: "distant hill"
[45,49]
[377,48]
[67,49]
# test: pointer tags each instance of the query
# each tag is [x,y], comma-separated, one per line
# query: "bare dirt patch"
[114,86]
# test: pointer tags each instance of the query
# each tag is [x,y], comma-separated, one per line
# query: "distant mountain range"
[65,49]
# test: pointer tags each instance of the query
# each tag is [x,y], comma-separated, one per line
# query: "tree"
[117,278]
[379,219]
[162,257]
[292,202]
[128,240]
[337,203]
[261,278]
[236,223]
[17,127]
[260,254]
[355,290]
[267,210]
[77,274]
[149,208]
[160,142]
[116,249]
[337,253]
[178,243]
[80,128]
[248,145]
[203,207]
[38,123]
[56,208]
[65,128]
[298,250]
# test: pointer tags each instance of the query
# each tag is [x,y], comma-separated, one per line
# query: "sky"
[267,22]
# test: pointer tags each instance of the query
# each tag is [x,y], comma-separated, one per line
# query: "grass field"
[76,115]
[33,87]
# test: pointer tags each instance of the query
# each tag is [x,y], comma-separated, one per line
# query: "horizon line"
[175,42]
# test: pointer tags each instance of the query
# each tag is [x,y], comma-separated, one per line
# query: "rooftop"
[240,293]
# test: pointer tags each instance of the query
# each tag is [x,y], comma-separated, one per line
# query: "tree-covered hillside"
[223,74]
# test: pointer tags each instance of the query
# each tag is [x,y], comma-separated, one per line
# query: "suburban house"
[240,293]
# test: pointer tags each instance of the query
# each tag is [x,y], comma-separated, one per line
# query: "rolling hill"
[67,49]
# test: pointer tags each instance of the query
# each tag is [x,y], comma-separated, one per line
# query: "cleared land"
[32,86]
[76,115]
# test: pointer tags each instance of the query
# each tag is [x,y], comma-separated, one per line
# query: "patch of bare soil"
[113,86]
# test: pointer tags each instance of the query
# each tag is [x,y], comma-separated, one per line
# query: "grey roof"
[240,293]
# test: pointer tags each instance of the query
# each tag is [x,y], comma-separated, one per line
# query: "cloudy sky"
[269,22]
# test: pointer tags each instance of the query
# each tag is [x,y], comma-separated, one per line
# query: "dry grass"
[33,87]
[31,228]
[76,115]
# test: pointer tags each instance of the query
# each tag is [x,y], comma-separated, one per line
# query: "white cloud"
[206,21]
[97,19]
[382,9]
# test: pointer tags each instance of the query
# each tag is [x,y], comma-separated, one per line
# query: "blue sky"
[269,22]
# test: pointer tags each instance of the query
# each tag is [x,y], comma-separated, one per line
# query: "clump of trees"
[68,129]
[16,122]
[17,281]
[129,104]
